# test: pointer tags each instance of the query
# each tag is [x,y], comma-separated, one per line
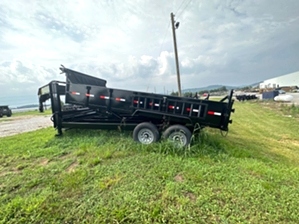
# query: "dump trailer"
[89,103]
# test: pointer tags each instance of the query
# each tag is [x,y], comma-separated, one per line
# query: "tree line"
[193,94]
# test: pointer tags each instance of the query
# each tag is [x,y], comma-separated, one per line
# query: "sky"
[129,43]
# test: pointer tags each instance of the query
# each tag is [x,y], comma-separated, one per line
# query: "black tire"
[146,133]
[178,134]
[9,114]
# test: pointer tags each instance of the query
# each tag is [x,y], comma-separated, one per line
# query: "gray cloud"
[220,42]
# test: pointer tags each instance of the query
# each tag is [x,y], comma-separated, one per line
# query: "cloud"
[23,76]
[219,42]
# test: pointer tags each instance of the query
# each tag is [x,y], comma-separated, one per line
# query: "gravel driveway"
[15,125]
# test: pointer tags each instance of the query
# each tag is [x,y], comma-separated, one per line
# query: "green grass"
[290,110]
[32,112]
[250,176]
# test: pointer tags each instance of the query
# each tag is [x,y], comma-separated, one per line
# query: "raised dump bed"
[93,105]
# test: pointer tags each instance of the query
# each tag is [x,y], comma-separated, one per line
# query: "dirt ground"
[15,125]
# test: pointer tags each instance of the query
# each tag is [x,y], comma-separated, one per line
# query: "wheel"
[146,133]
[178,134]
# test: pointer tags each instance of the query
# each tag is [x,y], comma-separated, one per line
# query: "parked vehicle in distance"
[150,116]
[281,91]
[4,110]
[244,97]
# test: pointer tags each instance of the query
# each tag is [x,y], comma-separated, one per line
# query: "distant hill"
[212,87]
[208,88]
[27,106]
[257,84]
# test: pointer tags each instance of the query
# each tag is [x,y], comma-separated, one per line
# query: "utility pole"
[175,25]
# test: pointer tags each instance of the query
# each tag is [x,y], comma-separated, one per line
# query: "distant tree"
[199,93]
[188,94]
[203,91]
[221,89]
[246,88]
[174,93]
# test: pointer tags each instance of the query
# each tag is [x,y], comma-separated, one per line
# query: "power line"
[162,44]
[179,7]
[182,3]
[183,9]
[164,36]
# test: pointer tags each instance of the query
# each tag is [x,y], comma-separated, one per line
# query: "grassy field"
[249,176]
[32,112]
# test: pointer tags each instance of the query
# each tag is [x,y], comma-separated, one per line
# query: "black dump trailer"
[90,104]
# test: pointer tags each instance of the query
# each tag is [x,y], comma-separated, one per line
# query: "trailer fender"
[146,133]
[179,134]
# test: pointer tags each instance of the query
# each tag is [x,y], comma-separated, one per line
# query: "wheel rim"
[179,138]
[145,136]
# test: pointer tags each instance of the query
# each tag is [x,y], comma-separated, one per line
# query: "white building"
[291,79]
